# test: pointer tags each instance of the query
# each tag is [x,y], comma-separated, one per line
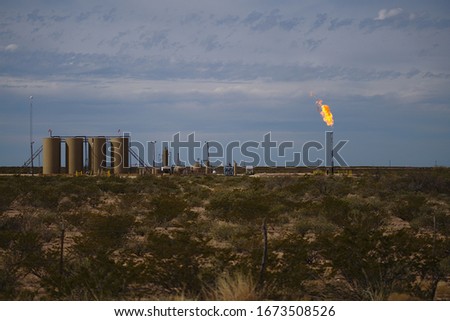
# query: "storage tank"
[74,155]
[51,148]
[165,157]
[97,154]
[120,154]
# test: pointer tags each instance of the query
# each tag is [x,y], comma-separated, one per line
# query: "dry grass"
[443,291]
[233,287]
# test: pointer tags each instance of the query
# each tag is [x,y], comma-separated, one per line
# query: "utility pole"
[31,135]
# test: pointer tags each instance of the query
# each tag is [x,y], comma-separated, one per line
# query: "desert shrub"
[105,232]
[9,279]
[430,181]
[166,207]
[115,185]
[322,185]
[27,247]
[23,256]
[303,185]
[376,264]
[368,214]
[24,235]
[195,194]
[240,205]
[76,219]
[336,210]
[237,286]
[176,261]
[409,207]
[9,190]
[308,208]
[133,204]
[432,219]
[314,224]
[444,266]
[289,266]
[91,277]
[44,196]
[81,190]
[94,266]
[9,228]
[240,237]
[281,183]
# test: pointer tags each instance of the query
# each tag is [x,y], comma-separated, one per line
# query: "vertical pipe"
[31,135]
[329,162]
[332,154]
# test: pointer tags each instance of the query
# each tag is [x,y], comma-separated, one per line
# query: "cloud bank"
[236,70]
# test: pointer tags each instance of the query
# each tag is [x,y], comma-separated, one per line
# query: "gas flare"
[325,112]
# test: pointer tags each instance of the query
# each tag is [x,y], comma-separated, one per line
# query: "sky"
[230,71]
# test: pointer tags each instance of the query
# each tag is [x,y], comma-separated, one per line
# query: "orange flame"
[325,112]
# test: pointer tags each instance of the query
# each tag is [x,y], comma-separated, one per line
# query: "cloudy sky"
[230,70]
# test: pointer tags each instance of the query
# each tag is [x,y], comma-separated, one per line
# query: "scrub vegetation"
[377,235]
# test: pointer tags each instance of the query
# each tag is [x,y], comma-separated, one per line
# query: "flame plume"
[325,112]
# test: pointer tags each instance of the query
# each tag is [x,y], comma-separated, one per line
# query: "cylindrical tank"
[97,154]
[165,157]
[52,155]
[74,154]
[119,154]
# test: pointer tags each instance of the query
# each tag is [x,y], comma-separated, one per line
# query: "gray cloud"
[155,39]
[337,23]
[321,18]
[312,44]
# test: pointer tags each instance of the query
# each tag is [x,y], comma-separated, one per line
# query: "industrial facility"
[106,155]
[87,155]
